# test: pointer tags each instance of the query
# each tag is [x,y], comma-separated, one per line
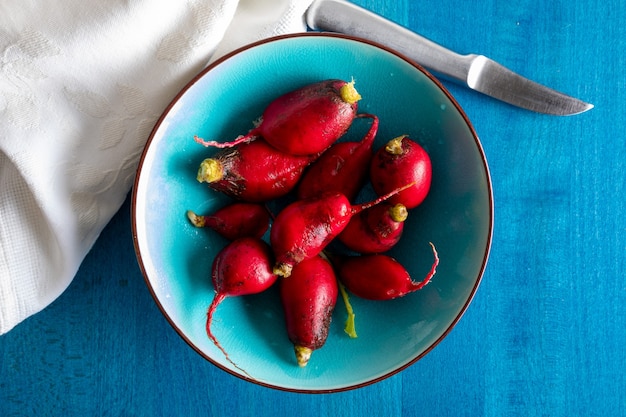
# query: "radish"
[379,277]
[304,121]
[236,220]
[308,298]
[305,227]
[342,168]
[253,172]
[376,229]
[401,161]
[242,267]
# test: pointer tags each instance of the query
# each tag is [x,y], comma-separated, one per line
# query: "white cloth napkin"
[81,85]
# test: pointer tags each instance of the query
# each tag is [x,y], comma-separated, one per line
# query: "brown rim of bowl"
[322,35]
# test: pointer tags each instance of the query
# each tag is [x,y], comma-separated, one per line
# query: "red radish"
[399,162]
[304,121]
[308,297]
[342,168]
[376,229]
[380,277]
[305,227]
[253,172]
[235,220]
[242,267]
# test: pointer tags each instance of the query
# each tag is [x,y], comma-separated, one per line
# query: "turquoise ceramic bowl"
[222,102]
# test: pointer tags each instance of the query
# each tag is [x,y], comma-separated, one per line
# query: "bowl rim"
[209,68]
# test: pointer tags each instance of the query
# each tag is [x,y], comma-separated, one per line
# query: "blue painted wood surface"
[546,332]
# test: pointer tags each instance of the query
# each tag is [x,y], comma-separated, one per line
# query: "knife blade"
[475,71]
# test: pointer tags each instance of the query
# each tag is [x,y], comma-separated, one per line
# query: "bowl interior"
[222,103]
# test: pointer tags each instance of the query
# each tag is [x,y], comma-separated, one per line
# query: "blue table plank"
[546,332]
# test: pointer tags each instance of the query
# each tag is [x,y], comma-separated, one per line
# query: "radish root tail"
[215,144]
[216,301]
[432,272]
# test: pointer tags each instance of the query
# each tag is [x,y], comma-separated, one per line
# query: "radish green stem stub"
[349,94]
[350,327]
[210,170]
[303,354]
[394,146]
[196,220]
[399,213]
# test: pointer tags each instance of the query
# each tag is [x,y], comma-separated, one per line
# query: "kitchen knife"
[475,71]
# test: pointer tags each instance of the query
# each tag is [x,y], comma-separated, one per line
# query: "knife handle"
[350,19]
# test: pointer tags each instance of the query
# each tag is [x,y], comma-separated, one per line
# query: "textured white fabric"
[81,85]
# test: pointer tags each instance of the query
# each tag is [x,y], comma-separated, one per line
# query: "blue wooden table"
[546,332]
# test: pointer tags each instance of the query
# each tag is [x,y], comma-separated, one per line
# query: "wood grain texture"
[545,334]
